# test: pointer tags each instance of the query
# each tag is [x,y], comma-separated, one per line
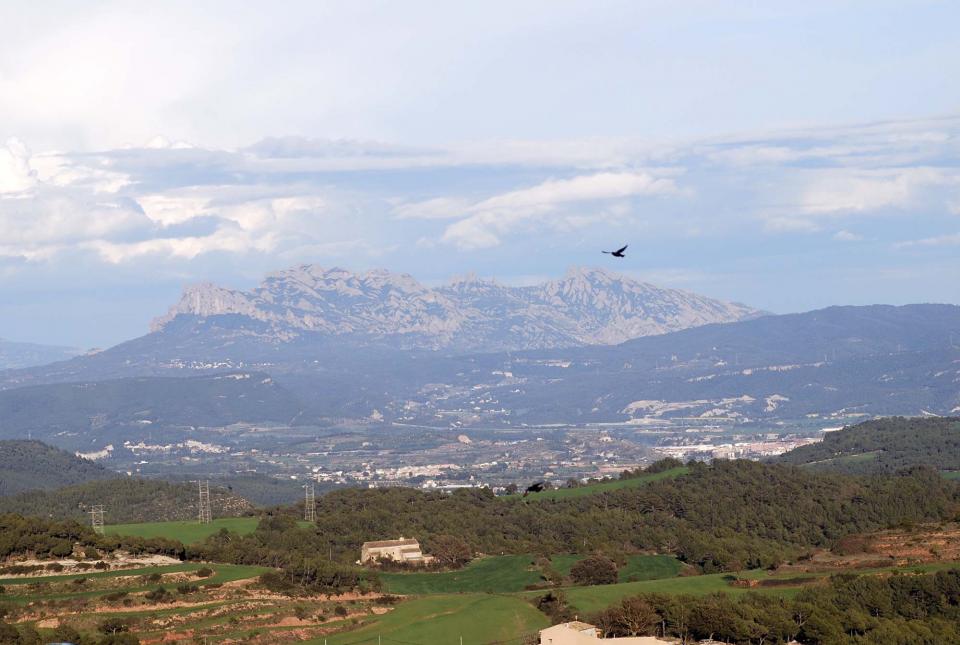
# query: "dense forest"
[31,465]
[724,516]
[849,610]
[125,500]
[885,446]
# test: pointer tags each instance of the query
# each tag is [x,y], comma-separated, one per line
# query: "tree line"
[902,609]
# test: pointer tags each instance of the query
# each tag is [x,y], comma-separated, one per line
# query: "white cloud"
[939,240]
[847,236]
[16,176]
[436,208]
[858,191]
[544,204]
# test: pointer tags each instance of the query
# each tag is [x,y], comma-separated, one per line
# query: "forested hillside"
[885,445]
[125,500]
[32,465]
[724,516]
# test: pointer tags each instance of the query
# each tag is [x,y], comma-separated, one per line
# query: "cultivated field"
[637,567]
[189,531]
[443,619]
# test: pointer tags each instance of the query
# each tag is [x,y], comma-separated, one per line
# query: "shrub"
[187,589]
[595,570]
[340,610]
[113,625]
[158,595]
[205,572]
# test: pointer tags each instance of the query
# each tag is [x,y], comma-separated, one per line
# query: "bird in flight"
[535,488]
[619,252]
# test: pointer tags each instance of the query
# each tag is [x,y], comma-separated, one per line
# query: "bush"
[159,595]
[113,625]
[115,596]
[187,589]
[205,572]
[55,567]
[65,634]
[594,570]
[340,610]
[101,566]
[8,634]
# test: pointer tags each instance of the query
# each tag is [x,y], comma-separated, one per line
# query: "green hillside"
[126,500]
[884,446]
[33,465]
[603,487]
[499,574]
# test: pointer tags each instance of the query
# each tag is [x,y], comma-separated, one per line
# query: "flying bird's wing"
[623,249]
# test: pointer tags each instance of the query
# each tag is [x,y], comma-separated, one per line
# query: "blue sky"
[789,157]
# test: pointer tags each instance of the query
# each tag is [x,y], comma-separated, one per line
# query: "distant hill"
[125,500]
[830,364]
[32,465]
[107,408]
[16,355]
[885,445]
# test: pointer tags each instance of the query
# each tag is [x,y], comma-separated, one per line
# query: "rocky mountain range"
[585,307]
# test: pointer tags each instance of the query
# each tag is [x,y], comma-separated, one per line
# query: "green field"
[497,574]
[950,474]
[187,532]
[638,567]
[443,619]
[190,531]
[616,484]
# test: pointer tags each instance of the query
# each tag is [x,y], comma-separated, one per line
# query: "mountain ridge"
[587,306]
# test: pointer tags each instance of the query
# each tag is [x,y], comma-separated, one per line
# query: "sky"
[786,155]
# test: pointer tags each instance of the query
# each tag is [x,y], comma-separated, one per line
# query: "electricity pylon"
[310,504]
[96,518]
[203,513]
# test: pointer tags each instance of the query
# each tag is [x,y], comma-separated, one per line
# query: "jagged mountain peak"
[586,306]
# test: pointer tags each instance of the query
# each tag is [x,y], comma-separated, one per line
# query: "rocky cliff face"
[586,306]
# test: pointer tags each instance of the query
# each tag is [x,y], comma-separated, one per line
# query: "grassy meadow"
[190,531]
[444,618]
[498,574]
